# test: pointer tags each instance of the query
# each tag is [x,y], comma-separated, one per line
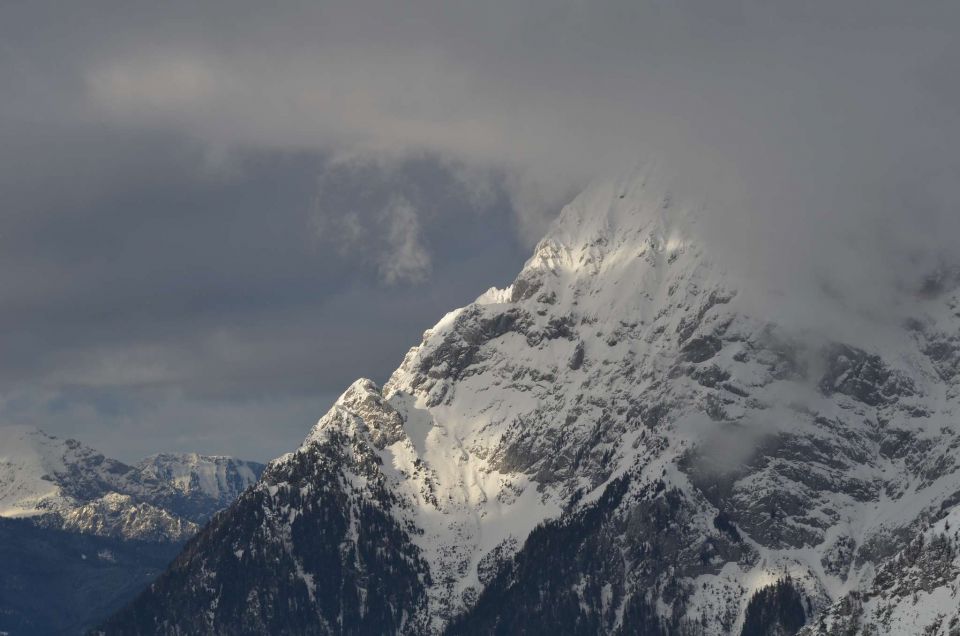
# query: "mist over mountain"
[630,438]
[319,166]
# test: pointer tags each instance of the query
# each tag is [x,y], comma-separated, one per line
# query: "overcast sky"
[215,215]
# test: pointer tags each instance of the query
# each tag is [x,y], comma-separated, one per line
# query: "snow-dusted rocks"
[116,515]
[212,482]
[63,484]
[629,439]
[40,473]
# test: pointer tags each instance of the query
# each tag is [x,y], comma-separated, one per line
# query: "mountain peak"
[626,213]
[361,409]
[31,465]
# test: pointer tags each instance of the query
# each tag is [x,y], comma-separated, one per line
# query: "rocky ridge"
[61,483]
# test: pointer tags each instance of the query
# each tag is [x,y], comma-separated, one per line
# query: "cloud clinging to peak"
[790,105]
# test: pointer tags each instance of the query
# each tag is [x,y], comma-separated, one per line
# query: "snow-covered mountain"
[628,439]
[216,478]
[82,534]
[40,473]
[62,483]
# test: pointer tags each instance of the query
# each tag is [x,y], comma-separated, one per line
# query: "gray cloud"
[213,199]
[181,289]
[820,136]
[407,259]
[385,230]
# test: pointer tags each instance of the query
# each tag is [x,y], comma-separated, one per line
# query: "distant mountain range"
[82,533]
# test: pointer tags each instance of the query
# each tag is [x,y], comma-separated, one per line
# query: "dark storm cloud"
[184,293]
[203,201]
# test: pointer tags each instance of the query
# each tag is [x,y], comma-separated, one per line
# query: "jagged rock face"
[120,516]
[63,484]
[202,484]
[627,440]
[912,592]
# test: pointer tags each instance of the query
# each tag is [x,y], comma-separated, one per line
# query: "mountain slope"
[40,473]
[58,582]
[316,550]
[628,439]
